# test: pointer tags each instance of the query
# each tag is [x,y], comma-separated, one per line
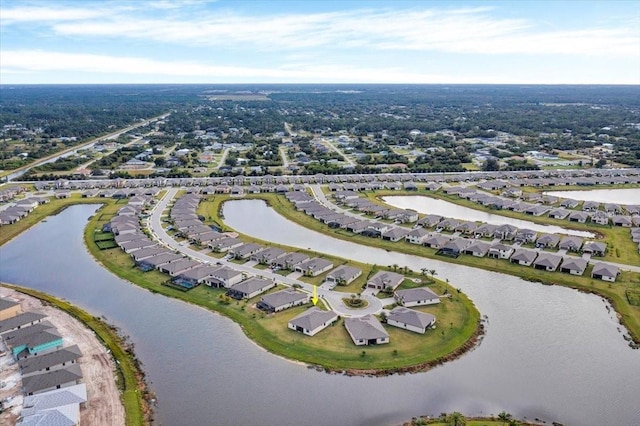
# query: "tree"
[505,417]
[456,419]
[491,165]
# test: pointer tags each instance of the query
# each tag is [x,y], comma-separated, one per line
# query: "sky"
[330,41]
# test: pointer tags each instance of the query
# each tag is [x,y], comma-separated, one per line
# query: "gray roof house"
[384,279]
[580,217]
[268,255]
[224,277]
[455,246]
[49,361]
[571,242]
[366,330]
[547,261]
[429,221]
[417,236]
[505,232]
[604,271]
[500,251]
[59,407]
[291,260]
[595,248]
[559,213]
[573,265]
[158,260]
[477,248]
[523,257]
[624,221]
[312,321]
[314,267]
[250,288]
[548,240]
[281,300]
[526,236]
[485,230]
[57,379]
[416,297]
[178,267]
[225,244]
[436,241]
[411,320]
[21,320]
[395,234]
[344,274]
[246,250]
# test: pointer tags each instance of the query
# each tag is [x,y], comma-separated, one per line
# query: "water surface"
[618,196]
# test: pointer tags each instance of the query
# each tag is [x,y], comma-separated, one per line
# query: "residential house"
[194,276]
[594,248]
[245,250]
[486,230]
[429,221]
[9,309]
[579,217]
[290,261]
[225,244]
[39,383]
[455,246]
[417,236]
[604,271]
[250,288]
[590,206]
[411,320]
[537,210]
[155,262]
[314,267]
[559,213]
[505,232]
[416,297]
[547,240]
[525,236]
[366,330]
[395,234]
[142,254]
[523,257]
[436,241]
[571,242]
[599,217]
[573,265]
[281,300]
[49,361]
[54,407]
[547,261]
[477,248]
[224,277]
[268,256]
[500,251]
[312,321]
[344,274]
[624,221]
[384,279]
[19,321]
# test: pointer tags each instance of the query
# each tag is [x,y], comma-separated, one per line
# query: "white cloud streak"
[470,31]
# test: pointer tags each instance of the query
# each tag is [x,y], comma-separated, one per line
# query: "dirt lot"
[103,406]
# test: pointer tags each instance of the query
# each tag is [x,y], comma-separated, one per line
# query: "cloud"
[49,14]
[38,62]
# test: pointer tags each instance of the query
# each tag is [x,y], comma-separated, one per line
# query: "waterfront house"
[559,213]
[416,297]
[158,260]
[19,321]
[573,265]
[39,383]
[281,300]
[624,221]
[436,241]
[250,288]
[569,203]
[590,206]
[500,251]
[477,248]
[604,271]
[245,250]
[225,244]
[268,256]
[417,236]
[131,246]
[523,257]
[312,321]
[547,240]
[366,330]
[599,217]
[384,279]
[547,261]
[409,319]
[54,407]
[571,242]
[486,230]
[395,234]
[142,254]
[429,221]
[9,309]
[455,246]
[579,217]
[178,267]
[49,361]
[33,342]
[290,261]
[314,267]
[224,277]
[194,276]
[344,274]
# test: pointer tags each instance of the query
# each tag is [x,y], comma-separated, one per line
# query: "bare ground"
[103,407]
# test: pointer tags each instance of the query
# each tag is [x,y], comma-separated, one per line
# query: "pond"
[617,196]
[545,351]
[443,208]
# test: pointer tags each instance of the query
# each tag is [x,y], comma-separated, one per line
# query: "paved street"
[333,299]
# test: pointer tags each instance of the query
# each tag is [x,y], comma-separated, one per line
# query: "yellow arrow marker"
[315,295]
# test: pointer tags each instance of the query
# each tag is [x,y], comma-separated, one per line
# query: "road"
[113,135]
[224,157]
[332,298]
[335,148]
[283,155]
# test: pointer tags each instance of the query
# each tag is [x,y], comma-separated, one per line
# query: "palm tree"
[424,271]
[505,417]
[456,419]
[395,267]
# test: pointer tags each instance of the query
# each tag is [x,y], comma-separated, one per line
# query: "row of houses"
[488,180]
[50,372]
[535,204]
[17,211]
